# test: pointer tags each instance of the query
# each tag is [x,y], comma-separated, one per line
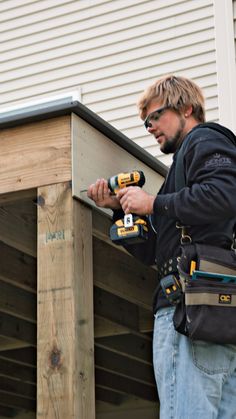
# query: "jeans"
[195,380]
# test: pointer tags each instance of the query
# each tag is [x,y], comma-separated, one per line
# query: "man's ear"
[188,111]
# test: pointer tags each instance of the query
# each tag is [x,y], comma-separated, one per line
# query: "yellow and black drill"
[131,229]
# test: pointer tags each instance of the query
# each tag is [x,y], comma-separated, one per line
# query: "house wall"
[108,51]
[225,61]
[234,16]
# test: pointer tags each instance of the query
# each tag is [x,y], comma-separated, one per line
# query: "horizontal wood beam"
[23,356]
[35,154]
[127,367]
[121,314]
[136,347]
[9,343]
[101,227]
[104,327]
[13,327]
[18,387]
[17,302]
[116,309]
[123,275]
[17,402]
[146,320]
[20,372]
[24,360]
[108,396]
[9,338]
[18,227]
[28,195]
[18,268]
[125,385]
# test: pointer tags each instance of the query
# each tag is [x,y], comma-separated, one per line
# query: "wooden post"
[65,383]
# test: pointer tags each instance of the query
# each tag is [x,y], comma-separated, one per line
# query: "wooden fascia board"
[52,111]
[35,154]
[95,156]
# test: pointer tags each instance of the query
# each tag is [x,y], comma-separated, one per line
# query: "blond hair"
[175,92]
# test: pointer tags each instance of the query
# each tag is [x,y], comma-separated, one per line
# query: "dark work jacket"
[207,203]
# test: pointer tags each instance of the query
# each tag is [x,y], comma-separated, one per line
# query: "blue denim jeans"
[195,380]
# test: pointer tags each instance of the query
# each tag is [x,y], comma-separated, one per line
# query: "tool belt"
[167,275]
[206,309]
[167,268]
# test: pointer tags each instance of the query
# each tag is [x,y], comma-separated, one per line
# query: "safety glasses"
[154,116]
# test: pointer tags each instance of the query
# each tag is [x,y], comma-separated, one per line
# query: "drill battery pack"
[135,233]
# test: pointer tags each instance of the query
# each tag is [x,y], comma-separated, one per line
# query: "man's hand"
[101,195]
[134,199]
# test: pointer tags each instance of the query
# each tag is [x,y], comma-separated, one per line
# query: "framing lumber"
[123,275]
[10,339]
[60,267]
[66,387]
[35,154]
[133,346]
[18,268]
[125,385]
[104,327]
[9,344]
[14,370]
[99,157]
[116,309]
[19,329]
[17,302]
[16,401]
[109,396]
[24,356]
[18,226]
[120,364]
[18,196]
[15,387]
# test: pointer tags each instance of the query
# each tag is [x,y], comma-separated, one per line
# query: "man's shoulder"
[212,129]
[203,134]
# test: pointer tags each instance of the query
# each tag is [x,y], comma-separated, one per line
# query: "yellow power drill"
[131,229]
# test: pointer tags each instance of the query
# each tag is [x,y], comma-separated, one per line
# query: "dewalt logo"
[225,298]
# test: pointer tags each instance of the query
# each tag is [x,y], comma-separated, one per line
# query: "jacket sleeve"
[146,251]
[209,195]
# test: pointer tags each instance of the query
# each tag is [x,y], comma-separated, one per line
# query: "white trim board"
[225,62]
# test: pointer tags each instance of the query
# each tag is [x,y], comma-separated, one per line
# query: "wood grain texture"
[123,275]
[35,154]
[96,156]
[18,226]
[65,306]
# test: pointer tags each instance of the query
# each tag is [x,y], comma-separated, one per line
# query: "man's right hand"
[102,196]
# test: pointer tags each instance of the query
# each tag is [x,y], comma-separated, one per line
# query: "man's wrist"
[151,205]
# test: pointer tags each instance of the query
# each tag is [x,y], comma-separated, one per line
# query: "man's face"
[168,127]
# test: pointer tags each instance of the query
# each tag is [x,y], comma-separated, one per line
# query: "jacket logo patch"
[218,161]
[225,298]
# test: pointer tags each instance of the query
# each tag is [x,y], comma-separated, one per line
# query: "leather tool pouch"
[207,310]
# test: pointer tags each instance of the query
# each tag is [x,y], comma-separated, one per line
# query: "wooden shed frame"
[65,288]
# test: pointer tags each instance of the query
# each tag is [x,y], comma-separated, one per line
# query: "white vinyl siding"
[110,50]
[234,14]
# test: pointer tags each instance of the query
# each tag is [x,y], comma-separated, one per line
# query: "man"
[195,379]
